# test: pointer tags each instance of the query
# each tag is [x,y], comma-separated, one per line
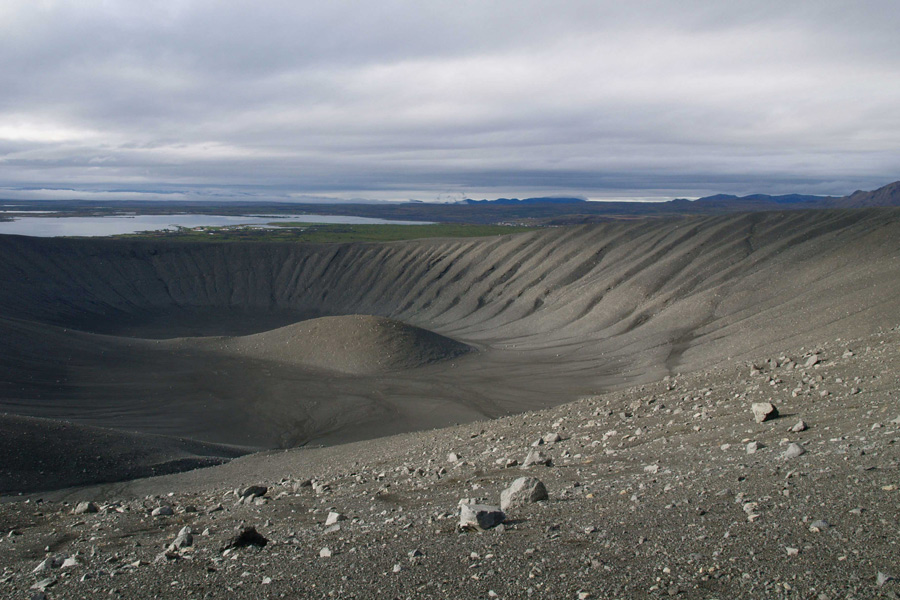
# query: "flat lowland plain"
[641,344]
[317,233]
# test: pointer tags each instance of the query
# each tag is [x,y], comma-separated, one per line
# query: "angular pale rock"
[53,562]
[162,511]
[793,451]
[754,447]
[882,578]
[553,438]
[523,491]
[479,517]
[536,457]
[184,539]
[800,426]
[811,361]
[453,457]
[325,552]
[763,411]
[70,562]
[85,507]
[333,519]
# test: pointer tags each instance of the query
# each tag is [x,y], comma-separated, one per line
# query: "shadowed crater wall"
[238,343]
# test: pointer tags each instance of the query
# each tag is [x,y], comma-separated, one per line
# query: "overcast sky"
[443,99]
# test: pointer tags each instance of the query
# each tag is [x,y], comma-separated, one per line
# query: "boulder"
[85,507]
[523,490]
[479,517]
[536,457]
[764,411]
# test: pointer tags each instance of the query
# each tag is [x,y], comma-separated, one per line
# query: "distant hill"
[888,195]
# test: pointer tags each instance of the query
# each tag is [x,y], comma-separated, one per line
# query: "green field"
[326,233]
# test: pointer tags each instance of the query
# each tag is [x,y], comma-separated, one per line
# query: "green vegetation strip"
[281,231]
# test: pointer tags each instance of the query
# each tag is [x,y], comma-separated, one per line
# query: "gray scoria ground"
[652,494]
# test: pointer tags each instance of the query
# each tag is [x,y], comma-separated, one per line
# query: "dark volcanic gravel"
[669,489]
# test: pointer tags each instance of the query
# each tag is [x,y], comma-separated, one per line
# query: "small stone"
[800,426]
[536,457]
[266,580]
[453,457]
[793,451]
[792,551]
[754,447]
[162,511]
[415,553]
[479,517]
[85,507]
[246,536]
[818,526]
[69,563]
[811,361]
[764,411]
[397,568]
[325,552]
[43,584]
[523,491]
[253,491]
[333,518]
[553,438]
[882,579]
[53,562]
[184,539]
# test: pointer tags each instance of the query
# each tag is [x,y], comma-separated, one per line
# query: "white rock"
[523,491]
[536,457]
[800,426]
[333,518]
[763,411]
[793,451]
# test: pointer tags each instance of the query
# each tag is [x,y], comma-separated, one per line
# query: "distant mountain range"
[538,211]
[888,195]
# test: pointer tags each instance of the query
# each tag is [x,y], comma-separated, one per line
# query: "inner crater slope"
[274,345]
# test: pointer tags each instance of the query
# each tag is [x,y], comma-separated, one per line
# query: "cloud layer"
[400,99]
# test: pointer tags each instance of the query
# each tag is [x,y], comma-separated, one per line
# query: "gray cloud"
[398,99]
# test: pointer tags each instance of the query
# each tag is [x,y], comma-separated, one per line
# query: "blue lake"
[101,226]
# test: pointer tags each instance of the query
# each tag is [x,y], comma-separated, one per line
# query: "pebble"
[817,526]
[793,451]
[800,426]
